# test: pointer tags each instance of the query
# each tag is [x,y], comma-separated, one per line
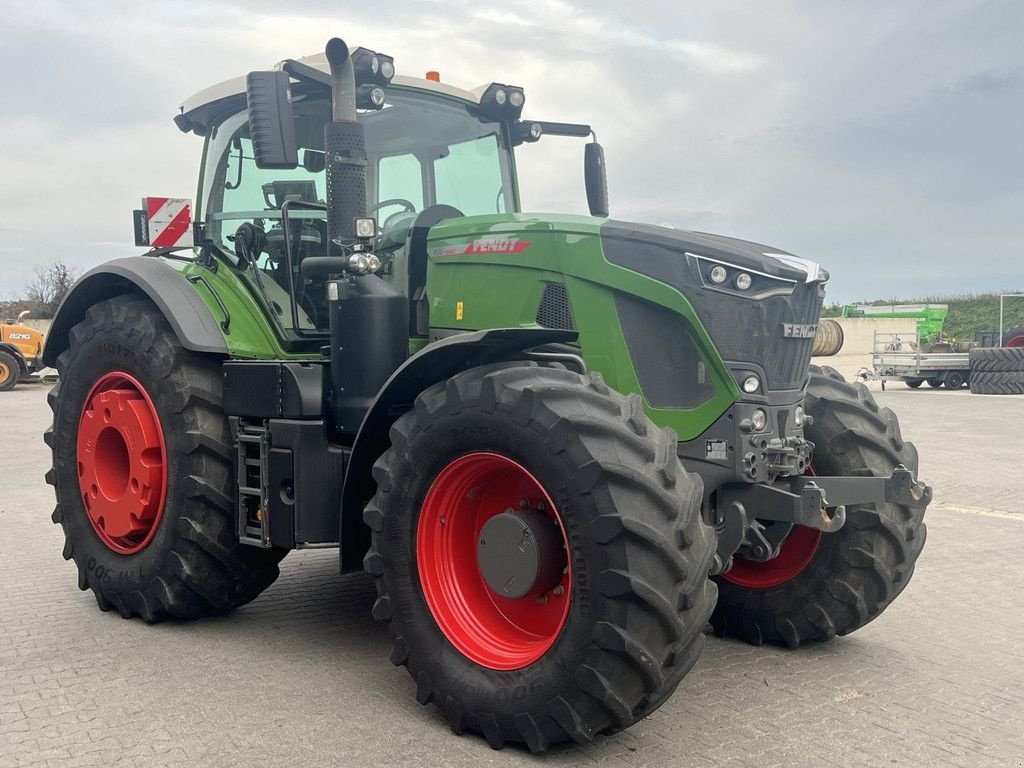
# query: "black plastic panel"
[269,389]
[668,364]
[304,487]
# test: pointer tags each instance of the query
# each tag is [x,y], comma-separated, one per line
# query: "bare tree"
[49,287]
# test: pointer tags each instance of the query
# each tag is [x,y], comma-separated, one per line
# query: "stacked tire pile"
[999,370]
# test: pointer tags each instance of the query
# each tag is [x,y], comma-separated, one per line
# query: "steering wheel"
[407,206]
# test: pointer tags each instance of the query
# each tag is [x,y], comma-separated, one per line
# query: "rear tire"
[935,382]
[9,371]
[855,573]
[914,383]
[953,380]
[189,562]
[638,590]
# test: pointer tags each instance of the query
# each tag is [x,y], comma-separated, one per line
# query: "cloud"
[879,138]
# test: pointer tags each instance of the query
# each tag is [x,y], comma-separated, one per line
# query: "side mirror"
[271,120]
[596,179]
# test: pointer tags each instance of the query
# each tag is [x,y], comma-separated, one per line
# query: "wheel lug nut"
[542,599]
[558,590]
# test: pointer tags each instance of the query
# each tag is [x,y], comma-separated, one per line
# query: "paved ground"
[301,676]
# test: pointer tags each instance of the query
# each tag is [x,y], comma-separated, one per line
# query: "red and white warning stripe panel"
[163,222]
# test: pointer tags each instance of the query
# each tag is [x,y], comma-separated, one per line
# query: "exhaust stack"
[345,148]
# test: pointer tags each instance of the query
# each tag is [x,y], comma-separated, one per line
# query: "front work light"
[718,275]
[369,96]
[365,227]
[751,384]
[502,102]
[743,281]
[372,67]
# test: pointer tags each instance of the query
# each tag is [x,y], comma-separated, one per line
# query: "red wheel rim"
[796,554]
[1016,341]
[493,631]
[122,472]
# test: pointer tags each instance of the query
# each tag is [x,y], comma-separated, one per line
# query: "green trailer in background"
[930,318]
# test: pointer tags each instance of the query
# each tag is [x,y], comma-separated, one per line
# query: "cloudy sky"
[883,139]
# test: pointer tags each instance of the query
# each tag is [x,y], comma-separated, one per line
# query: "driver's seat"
[419,308]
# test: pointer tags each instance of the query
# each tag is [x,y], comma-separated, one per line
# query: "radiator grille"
[554,310]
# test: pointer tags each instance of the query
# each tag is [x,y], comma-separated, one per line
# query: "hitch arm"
[820,502]
[899,488]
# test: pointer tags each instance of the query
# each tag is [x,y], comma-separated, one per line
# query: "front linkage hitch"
[809,500]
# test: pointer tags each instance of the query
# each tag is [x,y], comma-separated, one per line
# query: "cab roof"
[202,106]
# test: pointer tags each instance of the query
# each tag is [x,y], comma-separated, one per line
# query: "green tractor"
[561,445]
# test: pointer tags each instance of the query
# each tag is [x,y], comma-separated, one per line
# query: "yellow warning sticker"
[458,310]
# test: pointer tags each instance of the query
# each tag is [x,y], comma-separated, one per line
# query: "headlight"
[516,98]
[500,97]
[798,416]
[751,384]
[358,264]
[387,69]
[743,281]
[718,275]
[759,420]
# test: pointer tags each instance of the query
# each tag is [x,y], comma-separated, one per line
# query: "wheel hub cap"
[121,463]
[520,551]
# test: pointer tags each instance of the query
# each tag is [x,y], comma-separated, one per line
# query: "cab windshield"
[423,150]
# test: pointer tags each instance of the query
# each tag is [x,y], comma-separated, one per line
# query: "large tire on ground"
[9,371]
[822,585]
[1014,337]
[997,359]
[935,382]
[914,383]
[143,471]
[622,624]
[1004,383]
[828,338]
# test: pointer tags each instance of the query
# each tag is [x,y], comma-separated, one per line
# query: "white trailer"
[896,357]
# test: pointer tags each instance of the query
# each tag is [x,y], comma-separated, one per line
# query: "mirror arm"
[305,73]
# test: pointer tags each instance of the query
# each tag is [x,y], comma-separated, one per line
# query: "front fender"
[435,362]
[188,315]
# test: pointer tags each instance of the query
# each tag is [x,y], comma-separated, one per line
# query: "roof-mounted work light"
[369,96]
[502,102]
[372,67]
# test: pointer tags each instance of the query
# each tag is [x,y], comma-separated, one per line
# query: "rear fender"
[188,315]
[435,362]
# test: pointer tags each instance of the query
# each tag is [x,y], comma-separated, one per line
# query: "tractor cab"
[432,152]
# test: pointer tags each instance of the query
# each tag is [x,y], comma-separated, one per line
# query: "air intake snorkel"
[369,319]
[345,148]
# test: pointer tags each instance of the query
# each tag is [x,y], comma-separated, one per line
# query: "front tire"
[9,371]
[837,582]
[610,641]
[143,471]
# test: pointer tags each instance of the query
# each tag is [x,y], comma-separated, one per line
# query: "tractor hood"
[627,237]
